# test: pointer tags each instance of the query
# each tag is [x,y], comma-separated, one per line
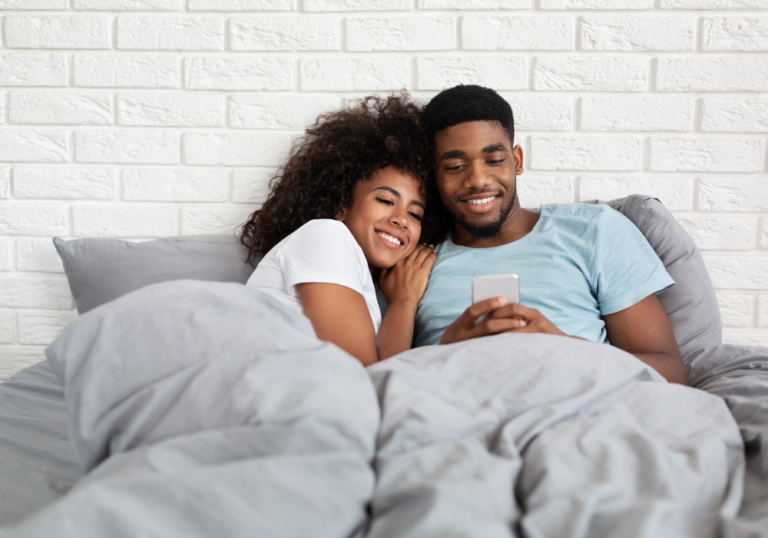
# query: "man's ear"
[517,151]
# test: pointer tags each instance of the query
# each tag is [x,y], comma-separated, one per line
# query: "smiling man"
[585,270]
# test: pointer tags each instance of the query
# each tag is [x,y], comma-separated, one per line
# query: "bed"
[426,445]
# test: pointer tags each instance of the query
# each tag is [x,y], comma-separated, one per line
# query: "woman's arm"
[339,314]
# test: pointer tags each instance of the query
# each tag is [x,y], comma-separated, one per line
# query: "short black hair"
[467,103]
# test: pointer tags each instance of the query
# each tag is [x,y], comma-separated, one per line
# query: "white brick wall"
[148,118]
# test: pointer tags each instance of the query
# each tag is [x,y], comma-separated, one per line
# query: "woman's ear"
[341,214]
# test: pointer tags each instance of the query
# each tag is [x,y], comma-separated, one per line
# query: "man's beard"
[485,231]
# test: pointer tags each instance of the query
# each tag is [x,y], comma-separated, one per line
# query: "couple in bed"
[368,187]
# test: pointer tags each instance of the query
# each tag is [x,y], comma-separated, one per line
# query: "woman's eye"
[415,216]
[385,201]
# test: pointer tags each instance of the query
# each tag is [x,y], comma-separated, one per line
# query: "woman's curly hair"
[340,149]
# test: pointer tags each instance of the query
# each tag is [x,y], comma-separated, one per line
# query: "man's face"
[475,168]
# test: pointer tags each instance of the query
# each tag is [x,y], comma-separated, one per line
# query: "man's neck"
[519,223]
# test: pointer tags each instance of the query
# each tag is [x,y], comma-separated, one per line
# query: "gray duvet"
[206,409]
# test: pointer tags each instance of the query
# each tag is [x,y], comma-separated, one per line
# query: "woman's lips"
[388,239]
[475,207]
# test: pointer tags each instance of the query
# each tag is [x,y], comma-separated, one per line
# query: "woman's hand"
[406,282]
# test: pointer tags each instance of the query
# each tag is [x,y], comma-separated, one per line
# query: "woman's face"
[385,216]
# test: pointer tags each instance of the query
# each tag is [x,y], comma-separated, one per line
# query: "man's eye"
[453,168]
[496,162]
[385,201]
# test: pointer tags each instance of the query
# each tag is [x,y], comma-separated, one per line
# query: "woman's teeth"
[481,201]
[389,238]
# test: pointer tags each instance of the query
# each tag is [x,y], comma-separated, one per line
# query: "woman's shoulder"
[321,236]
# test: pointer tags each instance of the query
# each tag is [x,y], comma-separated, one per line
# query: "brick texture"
[150,118]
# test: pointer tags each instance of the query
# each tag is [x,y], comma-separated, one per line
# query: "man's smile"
[482,204]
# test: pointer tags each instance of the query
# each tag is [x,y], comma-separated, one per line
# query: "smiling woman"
[351,202]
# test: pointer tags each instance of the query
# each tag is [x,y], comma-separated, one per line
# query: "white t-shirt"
[322,250]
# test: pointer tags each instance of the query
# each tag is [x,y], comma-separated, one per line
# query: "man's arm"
[644,331]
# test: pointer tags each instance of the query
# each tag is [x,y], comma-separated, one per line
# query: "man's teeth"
[389,238]
[481,201]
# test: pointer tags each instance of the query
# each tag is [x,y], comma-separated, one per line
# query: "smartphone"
[490,286]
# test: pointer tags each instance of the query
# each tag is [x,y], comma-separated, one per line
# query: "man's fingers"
[471,314]
[515,310]
[498,326]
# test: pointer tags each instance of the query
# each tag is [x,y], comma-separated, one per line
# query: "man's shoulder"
[586,212]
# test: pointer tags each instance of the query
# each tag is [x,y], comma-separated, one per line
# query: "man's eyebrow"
[491,148]
[393,191]
[453,154]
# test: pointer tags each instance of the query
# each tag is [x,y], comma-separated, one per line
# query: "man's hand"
[464,327]
[534,321]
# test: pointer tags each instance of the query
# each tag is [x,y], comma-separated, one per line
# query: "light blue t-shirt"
[580,262]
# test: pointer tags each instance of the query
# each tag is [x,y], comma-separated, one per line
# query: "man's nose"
[477,176]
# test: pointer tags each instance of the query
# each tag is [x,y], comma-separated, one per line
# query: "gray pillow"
[100,270]
[691,303]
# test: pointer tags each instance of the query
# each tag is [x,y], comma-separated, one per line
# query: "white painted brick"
[175,185]
[33,69]
[710,155]
[763,241]
[401,33]
[150,147]
[49,292]
[735,33]
[124,221]
[37,255]
[745,338]
[636,114]
[735,310]
[629,33]
[496,73]
[357,5]
[238,149]
[6,328]
[226,73]
[541,113]
[713,4]
[33,4]
[596,4]
[5,183]
[16,358]
[734,115]
[170,33]
[738,272]
[121,71]
[251,186]
[474,4]
[42,329]
[34,146]
[584,154]
[73,108]
[212,220]
[742,194]
[712,74]
[674,193]
[64,183]
[130,5]
[721,233]
[33,219]
[284,33]
[6,256]
[66,32]
[172,109]
[517,33]
[266,111]
[537,190]
[762,310]
[242,5]
[353,74]
[590,74]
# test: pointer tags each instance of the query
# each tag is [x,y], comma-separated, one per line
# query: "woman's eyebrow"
[393,191]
